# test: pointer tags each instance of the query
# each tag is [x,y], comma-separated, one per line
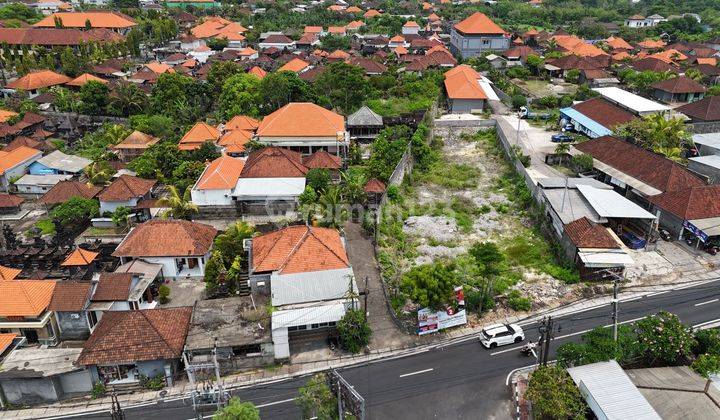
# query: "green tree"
[159,161]
[75,211]
[180,205]
[489,258]
[238,410]
[386,151]
[662,135]
[217,44]
[665,340]
[431,285]
[121,216]
[280,88]
[230,243]
[553,394]
[318,179]
[127,99]
[160,126]
[708,341]
[70,62]
[334,42]
[316,400]
[353,187]
[598,346]
[354,331]
[518,101]
[239,96]
[330,204]
[99,173]
[214,270]
[572,76]
[344,85]
[93,98]
[220,71]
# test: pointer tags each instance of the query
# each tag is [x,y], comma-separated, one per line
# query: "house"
[217,183]
[364,124]
[83,79]
[595,117]
[634,103]
[231,326]
[145,343]
[37,185]
[36,80]
[196,4]
[410,28]
[690,211]
[242,122]
[43,375]
[122,291]
[65,190]
[14,164]
[678,89]
[324,160]
[197,135]
[270,182]
[132,146]
[59,163]
[304,127]
[296,65]
[10,204]
[69,304]
[112,20]
[279,41]
[180,246]
[705,112]
[477,34]
[464,93]
[24,310]
[54,37]
[640,21]
[308,274]
[594,249]
[125,191]
[371,67]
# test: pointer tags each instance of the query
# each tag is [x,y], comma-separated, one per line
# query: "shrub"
[392,192]
[572,76]
[554,395]
[164,294]
[155,383]
[518,72]
[583,162]
[706,364]
[238,410]
[518,100]
[665,340]
[431,285]
[708,341]
[318,179]
[98,390]
[519,303]
[354,331]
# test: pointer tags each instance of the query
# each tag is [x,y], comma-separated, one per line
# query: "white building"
[216,185]
[307,272]
[15,163]
[38,185]
[125,191]
[180,246]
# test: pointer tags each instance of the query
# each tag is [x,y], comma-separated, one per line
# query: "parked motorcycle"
[529,349]
[665,235]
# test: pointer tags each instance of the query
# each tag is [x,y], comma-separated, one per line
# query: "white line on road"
[507,350]
[659,293]
[275,403]
[705,303]
[417,373]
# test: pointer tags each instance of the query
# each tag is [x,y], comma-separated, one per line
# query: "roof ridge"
[345,260]
[162,338]
[295,248]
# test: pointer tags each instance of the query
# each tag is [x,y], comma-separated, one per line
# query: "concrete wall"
[76,383]
[465,106]
[211,197]
[111,206]
[152,368]
[702,127]
[30,390]
[475,45]
[73,325]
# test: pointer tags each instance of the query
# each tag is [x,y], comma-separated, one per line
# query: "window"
[486,42]
[92,318]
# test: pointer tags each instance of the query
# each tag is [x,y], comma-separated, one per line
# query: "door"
[31,335]
[504,337]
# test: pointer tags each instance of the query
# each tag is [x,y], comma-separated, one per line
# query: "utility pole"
[615,304]
[367,290]
[547,333]
[212,396]
[116,412]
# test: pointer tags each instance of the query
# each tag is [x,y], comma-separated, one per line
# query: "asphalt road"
[460,381]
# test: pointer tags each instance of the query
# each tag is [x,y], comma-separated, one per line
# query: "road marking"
[659,293]
[706,323]
[705,303]
[275,403]
[632,299]
[417,373]
[507,350]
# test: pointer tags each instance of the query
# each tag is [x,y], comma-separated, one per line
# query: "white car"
[500,335]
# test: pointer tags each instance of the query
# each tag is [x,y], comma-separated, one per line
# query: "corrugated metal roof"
[710,160]
[62,162]
[587,122]
[304,316]
[610,392]
[606,258]
[608,203]
[312,286]
[630,100]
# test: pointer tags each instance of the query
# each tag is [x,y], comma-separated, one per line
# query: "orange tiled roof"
[337,30]
[8,273]
[301,119]
[137,140]
[234,141]
[651,44]
[322,160]
[9,160]
[374,186]
[461,83]
[274,162]
[338,54]
[197,135]
[707,60]
[167,238]
[313,29]
[353,9]
[98,19]
[477,24]
[397,38]
[355,24]
[242,122]
[79,257]
[126,187]
[257,72]
[299,249]
[295,65]
[6,115]
[221,174]
[6,340]
[622,55]
[84,78]
[159,68]
[38,79]
[669,56]
[27,298]
[618,43]
[400,50]
[371,13]
[411,24]
[247,52]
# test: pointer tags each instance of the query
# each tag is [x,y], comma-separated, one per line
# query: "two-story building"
[24,310]
[477,34]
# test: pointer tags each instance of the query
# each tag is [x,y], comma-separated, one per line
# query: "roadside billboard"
[430,321]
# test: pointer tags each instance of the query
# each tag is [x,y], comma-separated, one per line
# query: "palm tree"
[127,99]
[180,206]
[353,187]
[98,173]
[334,213]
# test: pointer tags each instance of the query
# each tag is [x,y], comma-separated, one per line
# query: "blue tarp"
[598,129]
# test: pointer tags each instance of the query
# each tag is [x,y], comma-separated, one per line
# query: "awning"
[710,226]
[608,203]
[597,258]
[587,122]
[306,316]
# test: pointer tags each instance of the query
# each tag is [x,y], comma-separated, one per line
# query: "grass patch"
[453,176]
[530,251]
[46,226]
